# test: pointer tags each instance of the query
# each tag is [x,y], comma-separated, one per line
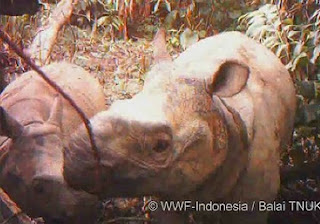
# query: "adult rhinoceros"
[207,126]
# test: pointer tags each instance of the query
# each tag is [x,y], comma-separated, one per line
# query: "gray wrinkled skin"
[36,122]
[207,126]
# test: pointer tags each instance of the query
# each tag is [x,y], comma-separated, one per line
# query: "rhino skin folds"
[35,123]
[207,126]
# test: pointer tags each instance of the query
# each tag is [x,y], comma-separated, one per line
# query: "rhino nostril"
[161,145]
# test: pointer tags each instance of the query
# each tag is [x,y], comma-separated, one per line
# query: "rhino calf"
[37,122]
[207,126]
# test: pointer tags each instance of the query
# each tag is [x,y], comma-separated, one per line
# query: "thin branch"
[9,205]
[42,44]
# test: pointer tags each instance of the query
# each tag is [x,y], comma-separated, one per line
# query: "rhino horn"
[229,79]
[9,126]
[55,116]
[160,49]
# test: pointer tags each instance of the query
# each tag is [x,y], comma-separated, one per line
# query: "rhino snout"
[52,194]
[129,149]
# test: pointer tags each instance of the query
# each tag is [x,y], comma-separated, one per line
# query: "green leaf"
[280,49]
[171,19]
[83,5]
[234,14]
[316,15]
[202,33]
[175,41]
[299,60]
[288,21]
[104,20]
[293,34]
[255,30]
[188,37]
[298,48]
[270,40]
[257,21]
[316,38]
[316,53]
[268,8]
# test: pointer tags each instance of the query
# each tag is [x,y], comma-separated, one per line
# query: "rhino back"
[29,98]
[266,104]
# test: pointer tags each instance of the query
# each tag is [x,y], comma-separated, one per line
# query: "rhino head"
[200,128]
[31,162]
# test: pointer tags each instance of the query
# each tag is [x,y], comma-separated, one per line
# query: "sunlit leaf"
[298,48]
[316,15]
[277,23]
[83,5]
[268,8]
[271,40]
[104,20]
[168,5]
[280,49]
[300,59]
[175,41]
[316,38]
[293,34]
[171,19]
[243,19]
[255,30]
[257,21]
[234,14]
[287,21]
[316,53]
[156,6]
[188,37]
[202,33]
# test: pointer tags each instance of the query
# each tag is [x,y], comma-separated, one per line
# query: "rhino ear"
[55,116]
[160,49]
[230,78]
[9,126]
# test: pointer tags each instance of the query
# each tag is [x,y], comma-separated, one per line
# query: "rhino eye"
[161,146]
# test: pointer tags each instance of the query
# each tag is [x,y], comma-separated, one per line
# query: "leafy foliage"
[293,35]
[132,18]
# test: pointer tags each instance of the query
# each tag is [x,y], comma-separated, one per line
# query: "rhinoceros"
[207,127]
[37,122]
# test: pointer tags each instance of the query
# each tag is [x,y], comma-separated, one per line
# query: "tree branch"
[43,43]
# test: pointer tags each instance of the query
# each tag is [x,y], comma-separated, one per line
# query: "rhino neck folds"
[239,125]
[237,156]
